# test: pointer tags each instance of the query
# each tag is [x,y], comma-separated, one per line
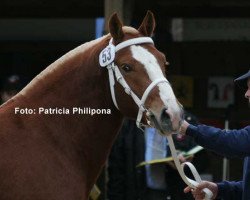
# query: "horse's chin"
[163,130]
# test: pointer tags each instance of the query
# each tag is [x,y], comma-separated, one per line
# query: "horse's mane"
[61,63]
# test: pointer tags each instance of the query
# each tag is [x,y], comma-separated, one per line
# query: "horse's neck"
[77,85]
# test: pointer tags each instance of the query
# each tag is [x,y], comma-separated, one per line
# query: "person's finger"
[181,158]
[210,185]
[183,127]
[198,195]
[187,189]
[202,185]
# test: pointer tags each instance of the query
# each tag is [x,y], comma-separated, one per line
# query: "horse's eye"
[126,67]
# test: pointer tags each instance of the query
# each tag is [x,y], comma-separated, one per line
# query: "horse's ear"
[115,28]
[148,25]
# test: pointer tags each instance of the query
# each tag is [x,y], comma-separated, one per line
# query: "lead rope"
[180,167]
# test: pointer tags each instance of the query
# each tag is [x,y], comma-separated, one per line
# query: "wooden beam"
[123,8]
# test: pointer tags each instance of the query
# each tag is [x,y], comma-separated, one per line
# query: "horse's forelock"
[131,30]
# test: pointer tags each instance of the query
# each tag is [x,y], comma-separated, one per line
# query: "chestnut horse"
[59,155]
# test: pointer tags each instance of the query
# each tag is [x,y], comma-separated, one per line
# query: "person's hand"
[198,194]
[182,159]
[183,127]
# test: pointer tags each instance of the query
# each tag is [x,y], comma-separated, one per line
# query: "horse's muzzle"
[166,122]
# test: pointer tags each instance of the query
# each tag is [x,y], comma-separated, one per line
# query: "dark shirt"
[231,143]
[126,181]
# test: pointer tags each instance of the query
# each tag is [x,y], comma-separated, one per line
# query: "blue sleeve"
[227,143]
[230,190]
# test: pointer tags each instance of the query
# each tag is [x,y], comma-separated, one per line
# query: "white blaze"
[154,72]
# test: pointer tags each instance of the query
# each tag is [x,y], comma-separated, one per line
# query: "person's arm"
[230,190]
[225,190]
[228,143]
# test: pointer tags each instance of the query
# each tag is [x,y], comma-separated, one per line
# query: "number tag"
[107,55]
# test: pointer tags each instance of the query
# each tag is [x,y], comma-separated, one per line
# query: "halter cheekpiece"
[106,59]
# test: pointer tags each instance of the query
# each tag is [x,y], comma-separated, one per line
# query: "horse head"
[140,69]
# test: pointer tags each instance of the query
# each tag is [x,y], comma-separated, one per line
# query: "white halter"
[106,59]
[114,70]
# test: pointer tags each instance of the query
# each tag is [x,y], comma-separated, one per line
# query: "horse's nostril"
[165,120]
[165,115]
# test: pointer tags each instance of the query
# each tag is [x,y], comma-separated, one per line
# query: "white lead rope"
[180,167]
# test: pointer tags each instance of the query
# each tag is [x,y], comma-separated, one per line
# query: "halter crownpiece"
[133,41]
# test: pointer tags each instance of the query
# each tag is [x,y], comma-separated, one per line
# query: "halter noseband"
[114,72]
